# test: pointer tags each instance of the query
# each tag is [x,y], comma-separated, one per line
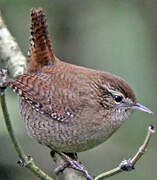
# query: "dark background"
[118,36]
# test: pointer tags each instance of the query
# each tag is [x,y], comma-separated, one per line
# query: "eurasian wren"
[67,107]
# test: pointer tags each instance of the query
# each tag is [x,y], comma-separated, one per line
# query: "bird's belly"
[64,137]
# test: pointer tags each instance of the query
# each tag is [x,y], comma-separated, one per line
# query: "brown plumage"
[66,107]
[41,50]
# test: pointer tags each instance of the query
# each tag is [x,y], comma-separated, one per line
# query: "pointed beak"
[140,107]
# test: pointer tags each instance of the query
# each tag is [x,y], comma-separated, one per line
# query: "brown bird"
[66,107]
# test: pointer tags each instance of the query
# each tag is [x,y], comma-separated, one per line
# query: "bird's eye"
[118,98]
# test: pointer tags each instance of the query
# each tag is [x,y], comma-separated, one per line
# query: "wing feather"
[38,92]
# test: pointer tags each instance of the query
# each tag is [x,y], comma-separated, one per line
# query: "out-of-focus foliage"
[115,36]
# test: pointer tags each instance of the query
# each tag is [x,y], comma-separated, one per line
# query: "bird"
[66,107]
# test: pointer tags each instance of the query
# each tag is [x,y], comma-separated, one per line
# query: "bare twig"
[25,160]
[142,149]
[128,165]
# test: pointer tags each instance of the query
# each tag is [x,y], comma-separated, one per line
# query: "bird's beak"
[140,107]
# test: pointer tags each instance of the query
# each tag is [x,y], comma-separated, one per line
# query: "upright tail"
[40,53]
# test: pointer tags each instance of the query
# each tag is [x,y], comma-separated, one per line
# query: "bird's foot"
[61,167]
[66,164]
[70,162]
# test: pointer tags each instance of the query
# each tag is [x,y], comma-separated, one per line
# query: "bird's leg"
[72,163]
[72,156]
[65,164]
[62,166]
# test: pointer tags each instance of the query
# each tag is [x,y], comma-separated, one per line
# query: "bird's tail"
[40,53]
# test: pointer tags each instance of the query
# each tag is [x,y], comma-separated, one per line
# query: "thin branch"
[143,148]
[10,130]
[128,165]
[25,161]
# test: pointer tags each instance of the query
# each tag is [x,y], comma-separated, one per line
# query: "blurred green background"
[118,36]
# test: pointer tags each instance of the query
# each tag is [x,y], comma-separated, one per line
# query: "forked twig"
[25,160]
[128,165]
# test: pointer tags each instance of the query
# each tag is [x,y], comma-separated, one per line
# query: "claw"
[70,163]
[61,168]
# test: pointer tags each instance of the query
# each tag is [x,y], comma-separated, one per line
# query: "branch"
[10,52]
[128,165]
[25,160]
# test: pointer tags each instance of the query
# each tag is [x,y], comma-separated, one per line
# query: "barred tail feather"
[41,51]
